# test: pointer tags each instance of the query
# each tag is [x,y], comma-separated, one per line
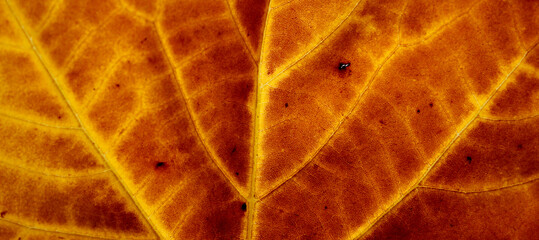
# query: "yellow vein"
[509,120]
[61,232]
[281,5]
[34,171]
[480,191]
[251,200]
[13,46]
[371,80]
[165,52]
[457,135]
[239,32]
[38,123]
[315,47]
[442,27]
[107,163]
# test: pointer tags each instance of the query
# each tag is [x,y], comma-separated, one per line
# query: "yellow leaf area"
[259,119]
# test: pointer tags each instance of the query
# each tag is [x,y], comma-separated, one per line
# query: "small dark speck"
[469,159]
[382,122]
[159,164]
[59,117]
[237,173]
[325,207]
[431,104]
[418,111]
[519,146]
[244,207]
[143,40]
[286,105]
[3,214]
[234,149]
[451,225]
[343,66]
[117,85]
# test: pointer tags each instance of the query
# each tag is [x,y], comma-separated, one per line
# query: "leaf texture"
[269,119]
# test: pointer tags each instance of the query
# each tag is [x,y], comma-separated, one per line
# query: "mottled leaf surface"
[269,119]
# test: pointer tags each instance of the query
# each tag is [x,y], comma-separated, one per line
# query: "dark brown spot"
[160,164]
[431,105]
[418,111]
[519,146]
[117,85]
[233,150]
[325,207]
[343,66]
[469,159]
[143,40]
[286,105]
[60,117]
[382,122]
[244,207]
[237,173]
[3,214]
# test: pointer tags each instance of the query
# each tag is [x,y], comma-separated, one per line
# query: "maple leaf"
[259,119]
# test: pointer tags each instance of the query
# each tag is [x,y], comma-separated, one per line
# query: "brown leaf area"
[269,119]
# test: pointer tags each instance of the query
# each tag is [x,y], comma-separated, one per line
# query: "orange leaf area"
[269,119]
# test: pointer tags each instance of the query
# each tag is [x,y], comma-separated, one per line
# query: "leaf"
[281,119]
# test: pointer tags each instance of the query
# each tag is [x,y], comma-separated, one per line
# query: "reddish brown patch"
[436,214]
[490,154]
[193,38]
[37,148]
[89,205]
[29,92]
[208,207]
[60,36]
[220,88]
[180,12]
[318,92]
[517,99]
[34,12]
[251,15]
[527,20]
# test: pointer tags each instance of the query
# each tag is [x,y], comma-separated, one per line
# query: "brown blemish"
[469,159]
[3,214]
[160,165]
[344,65]
[244,207]
[286,105]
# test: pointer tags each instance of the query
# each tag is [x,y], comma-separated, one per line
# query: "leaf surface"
[269,119]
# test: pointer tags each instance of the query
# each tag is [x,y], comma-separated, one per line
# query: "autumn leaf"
[275,119]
